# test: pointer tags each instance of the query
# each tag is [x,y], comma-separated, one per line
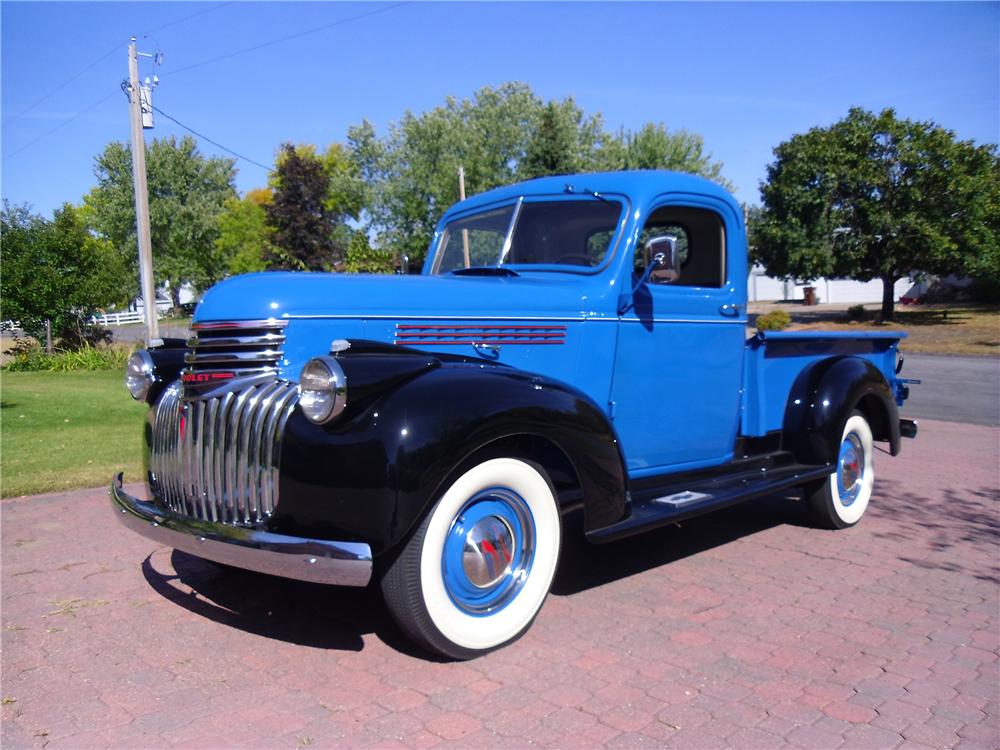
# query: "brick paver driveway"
[745,629]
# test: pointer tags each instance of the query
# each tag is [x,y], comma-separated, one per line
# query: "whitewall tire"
[842,499]
[476,572]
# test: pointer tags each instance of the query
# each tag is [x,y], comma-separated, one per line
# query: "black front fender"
[823,397]
[374,474]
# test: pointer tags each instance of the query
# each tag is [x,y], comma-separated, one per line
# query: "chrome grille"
[244,347]
[216,459]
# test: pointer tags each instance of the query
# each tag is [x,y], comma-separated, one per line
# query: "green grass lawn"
[60,431]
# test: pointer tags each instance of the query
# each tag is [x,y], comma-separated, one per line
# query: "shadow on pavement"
[957,521]
[584,566]
[292,611]
[330,617]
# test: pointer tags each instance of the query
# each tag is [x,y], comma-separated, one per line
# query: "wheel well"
[876,414]
[541,451]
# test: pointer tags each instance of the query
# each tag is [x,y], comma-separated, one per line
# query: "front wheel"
[477,570]
[840,500]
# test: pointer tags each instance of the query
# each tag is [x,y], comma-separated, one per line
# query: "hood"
[291,295]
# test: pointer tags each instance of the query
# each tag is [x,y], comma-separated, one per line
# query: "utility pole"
[465,232]
[142,201]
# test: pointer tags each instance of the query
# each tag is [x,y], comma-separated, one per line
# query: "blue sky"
[744,75]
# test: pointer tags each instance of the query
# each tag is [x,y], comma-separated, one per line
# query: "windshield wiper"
[570,189]
[484,271]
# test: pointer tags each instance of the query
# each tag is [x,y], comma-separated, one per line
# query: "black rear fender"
[823,397]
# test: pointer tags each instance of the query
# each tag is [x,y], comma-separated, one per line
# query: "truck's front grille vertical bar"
[208,458]
[217,459]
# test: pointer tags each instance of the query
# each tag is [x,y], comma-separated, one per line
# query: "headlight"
[139,374]
[322,390]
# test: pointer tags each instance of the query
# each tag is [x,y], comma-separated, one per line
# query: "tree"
[244,239]
[313,196]
[500,135]
[57,270]
[878,197]
[655,147]
[563,141]
[413,170]
[362,258]
[187,192]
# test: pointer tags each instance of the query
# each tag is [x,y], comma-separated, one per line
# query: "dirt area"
[933,329]
[7,342]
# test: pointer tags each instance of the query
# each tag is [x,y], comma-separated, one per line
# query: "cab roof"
[640,186]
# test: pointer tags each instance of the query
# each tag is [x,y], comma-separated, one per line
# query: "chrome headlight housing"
[139,374]
[322,390]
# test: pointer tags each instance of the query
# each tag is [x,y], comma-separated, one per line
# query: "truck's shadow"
[924,531]
[336,618]
[584,566]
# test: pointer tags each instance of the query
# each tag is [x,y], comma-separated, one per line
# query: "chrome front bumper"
[314,560]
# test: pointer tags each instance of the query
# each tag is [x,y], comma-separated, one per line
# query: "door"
[679,363]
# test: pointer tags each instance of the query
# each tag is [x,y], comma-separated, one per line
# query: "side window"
[701,243]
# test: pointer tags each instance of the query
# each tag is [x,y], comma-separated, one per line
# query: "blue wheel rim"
[850,469]
[509,564]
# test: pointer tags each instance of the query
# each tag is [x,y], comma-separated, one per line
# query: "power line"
[187,18]
[297,35]
[214,143]
[104,57]
[62,85]
[254,48]
[61,125]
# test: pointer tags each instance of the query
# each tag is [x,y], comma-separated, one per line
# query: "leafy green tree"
[878,197]
[362,258]
[187,192]
[56,270]
[244,236]
[413,171]
[563,141]
[655,147]
[499,136]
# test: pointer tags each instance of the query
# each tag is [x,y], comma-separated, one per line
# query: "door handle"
[729,310]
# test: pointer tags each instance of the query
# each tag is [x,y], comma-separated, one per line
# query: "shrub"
[362,258]
[776,320]
[101,357]
[856,312]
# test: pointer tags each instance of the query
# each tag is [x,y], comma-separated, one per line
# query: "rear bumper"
[314,560]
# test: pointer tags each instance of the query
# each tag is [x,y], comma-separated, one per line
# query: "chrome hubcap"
[850,469]
[488,551]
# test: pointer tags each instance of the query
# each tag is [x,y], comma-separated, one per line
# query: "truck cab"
[572,343]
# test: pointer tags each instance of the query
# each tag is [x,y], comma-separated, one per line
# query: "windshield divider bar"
[510,232]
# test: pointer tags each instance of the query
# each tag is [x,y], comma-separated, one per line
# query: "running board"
[707,495]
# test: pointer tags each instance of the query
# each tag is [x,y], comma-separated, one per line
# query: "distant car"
[574,343]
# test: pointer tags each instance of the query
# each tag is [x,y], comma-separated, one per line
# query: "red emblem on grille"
[206,377]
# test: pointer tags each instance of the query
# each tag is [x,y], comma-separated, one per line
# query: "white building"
[764,288]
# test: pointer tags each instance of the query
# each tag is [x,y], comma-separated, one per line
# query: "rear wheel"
[840,500]
[476,572]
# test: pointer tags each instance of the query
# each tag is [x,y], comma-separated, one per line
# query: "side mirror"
[664,259]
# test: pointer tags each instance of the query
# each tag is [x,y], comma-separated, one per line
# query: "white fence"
[119,319]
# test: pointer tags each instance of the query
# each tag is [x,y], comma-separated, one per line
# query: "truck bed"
[773,359]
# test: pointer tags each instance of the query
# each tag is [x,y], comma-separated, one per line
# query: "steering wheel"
[586,259]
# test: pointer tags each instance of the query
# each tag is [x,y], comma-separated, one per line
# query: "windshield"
[558,232]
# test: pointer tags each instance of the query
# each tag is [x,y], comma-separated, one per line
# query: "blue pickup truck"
[574,343]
